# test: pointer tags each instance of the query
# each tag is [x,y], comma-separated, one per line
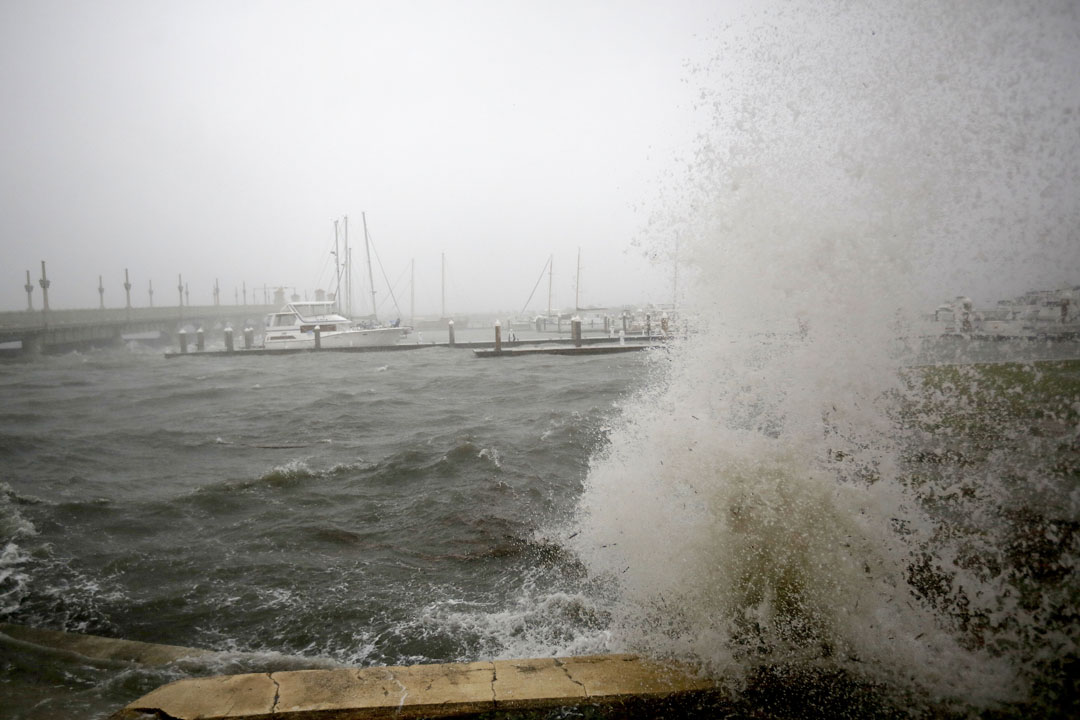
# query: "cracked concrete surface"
[448,690]
[277,693]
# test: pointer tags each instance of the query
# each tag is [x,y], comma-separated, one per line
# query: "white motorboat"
[293,328]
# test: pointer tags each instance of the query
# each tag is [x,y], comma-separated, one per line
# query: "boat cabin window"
[286,320]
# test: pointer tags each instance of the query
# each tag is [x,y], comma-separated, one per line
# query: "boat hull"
[375,337]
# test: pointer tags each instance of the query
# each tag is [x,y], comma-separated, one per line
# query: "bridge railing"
[36,319]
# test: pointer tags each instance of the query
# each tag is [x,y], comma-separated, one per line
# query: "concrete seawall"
[601,685]
[608,685]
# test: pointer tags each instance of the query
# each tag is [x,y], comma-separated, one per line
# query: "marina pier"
[55,331]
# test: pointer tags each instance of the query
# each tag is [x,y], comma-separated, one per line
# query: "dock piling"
[228,339]
[318,337]
[575,330]
[183,340]
[450,328]
[498,336]
[200,340]
[249,337]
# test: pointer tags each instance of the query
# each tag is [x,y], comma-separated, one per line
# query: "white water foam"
[857,160]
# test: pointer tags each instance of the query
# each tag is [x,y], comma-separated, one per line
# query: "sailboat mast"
[551,266]
[371,280]
[337,268]
[412,292]
[348,269]
[443,285]
[577,283]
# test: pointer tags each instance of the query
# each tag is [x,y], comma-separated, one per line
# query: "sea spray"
[858,164]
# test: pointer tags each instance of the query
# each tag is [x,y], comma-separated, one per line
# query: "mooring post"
[200,340]
[575,330]
[249,337]
[318,337]
[498,336]
[183,340]
[228,340]
[450,328]
[44,282]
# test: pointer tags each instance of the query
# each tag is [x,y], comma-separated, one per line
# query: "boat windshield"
[285,320]
[309,310]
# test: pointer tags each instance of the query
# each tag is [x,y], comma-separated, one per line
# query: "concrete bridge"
[54,331]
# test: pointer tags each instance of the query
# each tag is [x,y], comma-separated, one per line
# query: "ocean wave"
[13,577]
[12,523]
[535,624]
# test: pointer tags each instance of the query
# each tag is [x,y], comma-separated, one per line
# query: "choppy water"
[431,506]
[370,509]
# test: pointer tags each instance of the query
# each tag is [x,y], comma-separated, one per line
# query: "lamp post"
[44,283]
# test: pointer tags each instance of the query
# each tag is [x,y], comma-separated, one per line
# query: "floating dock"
[605,349]
[485,348]
[294,351]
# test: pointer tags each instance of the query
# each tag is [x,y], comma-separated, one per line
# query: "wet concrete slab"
[488,689]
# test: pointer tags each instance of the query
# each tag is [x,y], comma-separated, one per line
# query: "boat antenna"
[371,280]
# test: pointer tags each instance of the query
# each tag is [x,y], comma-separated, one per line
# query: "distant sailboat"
[444,319]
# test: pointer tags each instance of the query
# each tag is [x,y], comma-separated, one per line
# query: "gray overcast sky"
[221,140]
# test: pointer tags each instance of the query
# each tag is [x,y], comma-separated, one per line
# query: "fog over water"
[220,140]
